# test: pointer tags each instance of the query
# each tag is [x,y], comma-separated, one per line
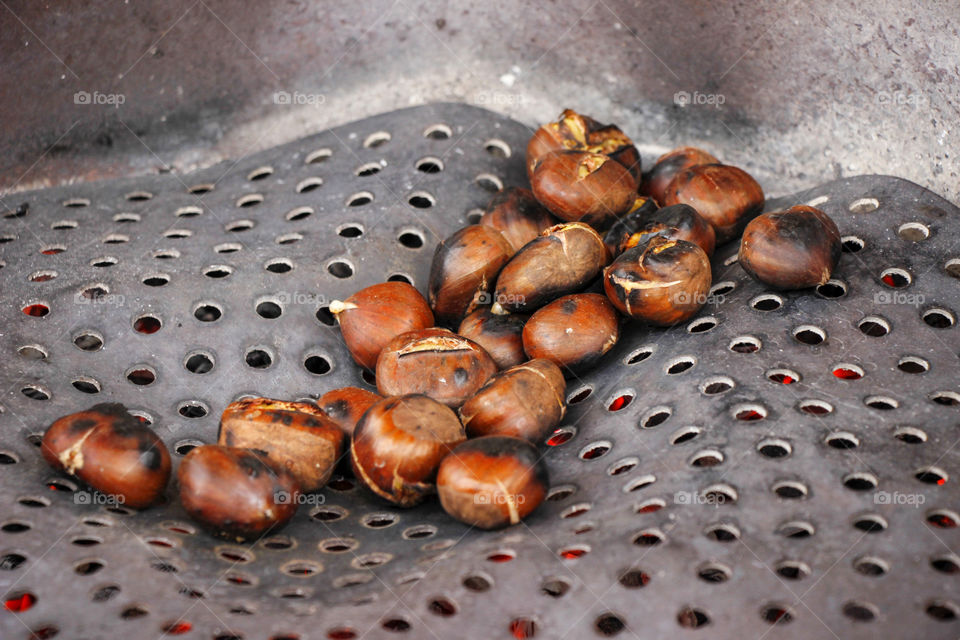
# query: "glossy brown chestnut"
[492,482]
[346,406]
[676,222]
[373,316]
[791,249]
[525,401]
[516,214]
[643,207]
[576,132]
[435,362]
[727,197]
[398,445]
[112,451]
[296,436]
[463,271]
[498,334]
[573,332]
[662,282]
[668,166]
[583,186]
[235,493]
[562,260]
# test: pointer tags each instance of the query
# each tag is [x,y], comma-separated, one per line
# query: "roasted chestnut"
[345,406]
[573,331]
[295,436]
[463,271]
[516,214]
[676,222]
[629,223]
[562,260]
[728,197]
[791,249]
[583,186]
[525,401]
[492,482]
[576,132]
[498,334]
[668,166]
[399,443]
[663,281]
[112,451]
[372,317]
[235,493]
[435,362]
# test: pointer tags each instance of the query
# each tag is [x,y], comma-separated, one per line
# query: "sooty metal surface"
[784,458]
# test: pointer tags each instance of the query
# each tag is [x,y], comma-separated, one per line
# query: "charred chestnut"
[235,493]
[398,445]
[295,436]
[492,482]
[498,334]
[573,332]
[345,406]
[676,222]
[642,208]
[662,282]
[372,317]
[562,260]
[435,362]
[791,249]
[525,401]
[583,186]
[728,197]
[463,271]
[668,166]
[576,132]
[112,451]
[516,214]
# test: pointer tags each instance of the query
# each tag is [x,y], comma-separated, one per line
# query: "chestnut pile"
[471,377]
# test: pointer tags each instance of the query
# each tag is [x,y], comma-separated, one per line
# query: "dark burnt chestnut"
[662,282]
[573,332]
[525,401]
[398,445]
[463,271]
[562,260]
[498,334]
[576,132]
[492,482]
[791,249]
[372,317]
[435,362]
[295,436]
[643,207]
[727,197]
[676,222]
[346,405]
[516,214]
[583,186]
[112,451]
[668,166]
[235,493]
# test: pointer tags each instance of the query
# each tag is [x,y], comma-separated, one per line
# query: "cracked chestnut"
[676,222]
[498,334]
[642,208]
[234,493]
[573,331]
[112,452]
[516,214]
[727,197]
[663,281]
[373,316]
[525,401]
[464,269]
[575,132]
[398,445]
[492,482]
[435,362]
[346,406]
[668,166]
[296,436]
[563,260]
[791,249]
[583,186]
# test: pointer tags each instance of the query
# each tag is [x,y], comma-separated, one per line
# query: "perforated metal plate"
[715,501]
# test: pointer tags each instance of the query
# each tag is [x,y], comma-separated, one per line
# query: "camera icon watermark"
[498,98]
[85,98]
[900,499]
[686,297]
[713,498]
[298,498]
[298,99]
[301,297]
[899,297]
[104,299]
[685,98]
[82,497]
[484,298]
[499,498]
